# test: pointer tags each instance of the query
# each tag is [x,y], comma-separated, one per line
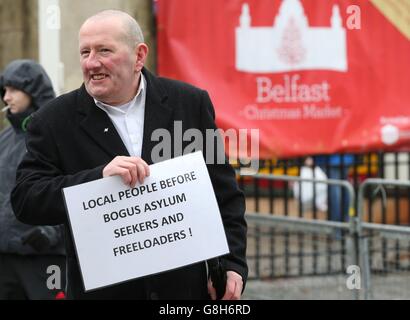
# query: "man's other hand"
[234,285]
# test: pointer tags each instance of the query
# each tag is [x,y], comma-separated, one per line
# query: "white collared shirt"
[128,119]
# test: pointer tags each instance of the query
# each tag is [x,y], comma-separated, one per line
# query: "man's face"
[108,64]
[17,100]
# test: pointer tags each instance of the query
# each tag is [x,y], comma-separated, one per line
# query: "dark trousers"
[25,277]
[338,197]
[187,283]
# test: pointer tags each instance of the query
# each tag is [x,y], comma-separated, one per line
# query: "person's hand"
[37,239]
[234,285]
[130,169]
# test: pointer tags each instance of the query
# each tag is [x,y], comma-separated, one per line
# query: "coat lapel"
[98,126]
[157,113]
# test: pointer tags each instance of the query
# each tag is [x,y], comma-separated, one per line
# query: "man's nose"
[93,61]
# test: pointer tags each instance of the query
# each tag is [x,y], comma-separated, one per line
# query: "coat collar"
[96,123]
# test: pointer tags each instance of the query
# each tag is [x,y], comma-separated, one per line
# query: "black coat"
[67,145]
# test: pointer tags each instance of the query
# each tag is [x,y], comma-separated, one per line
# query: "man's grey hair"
[132,30]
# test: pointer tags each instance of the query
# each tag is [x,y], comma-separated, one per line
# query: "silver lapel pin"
[105,130]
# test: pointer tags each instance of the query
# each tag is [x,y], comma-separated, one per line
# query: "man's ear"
[141,51]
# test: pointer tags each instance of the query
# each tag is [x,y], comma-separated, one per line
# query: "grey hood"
[30,77]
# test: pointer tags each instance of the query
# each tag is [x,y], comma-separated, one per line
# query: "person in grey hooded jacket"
[26,252]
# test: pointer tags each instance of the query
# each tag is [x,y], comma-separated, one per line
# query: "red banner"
[314,76]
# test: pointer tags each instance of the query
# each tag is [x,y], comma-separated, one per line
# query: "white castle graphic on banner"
[290,45]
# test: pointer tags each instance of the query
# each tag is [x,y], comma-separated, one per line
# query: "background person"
[25,251]
[336,166]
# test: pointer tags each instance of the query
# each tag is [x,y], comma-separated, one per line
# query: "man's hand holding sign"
[130,169]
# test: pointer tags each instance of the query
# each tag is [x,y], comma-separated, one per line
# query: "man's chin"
[97,94]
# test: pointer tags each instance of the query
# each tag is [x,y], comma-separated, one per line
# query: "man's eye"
[85,53]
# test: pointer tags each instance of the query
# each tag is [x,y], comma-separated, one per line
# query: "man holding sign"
[106,128]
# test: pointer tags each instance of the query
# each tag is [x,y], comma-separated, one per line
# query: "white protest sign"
[170,221]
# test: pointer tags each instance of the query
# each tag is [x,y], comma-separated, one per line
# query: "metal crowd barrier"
[307,226]
[391,239]
[366,230]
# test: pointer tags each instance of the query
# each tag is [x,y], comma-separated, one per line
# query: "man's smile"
[99,76]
